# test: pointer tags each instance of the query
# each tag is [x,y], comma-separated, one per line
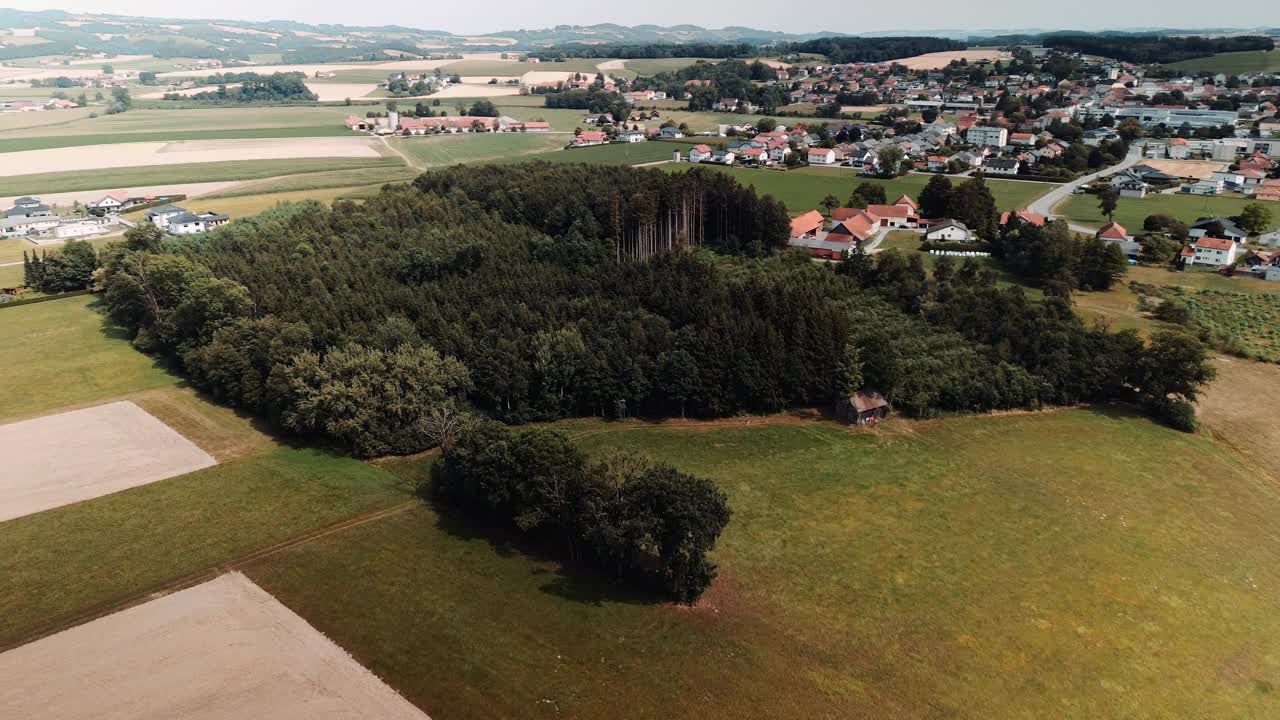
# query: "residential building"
[192,224]
[1214,252]
[1003,166]
[111,202]
[1029,217]
[821,156]
[949,231]
[1217,227]
[160,216]
[590,137]
[984,135]
[1113,231]
[699,153]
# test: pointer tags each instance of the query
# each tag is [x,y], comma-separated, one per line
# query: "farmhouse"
[192,224]
[1113,231]
[1217,227]
[1034,218]
[590,137]
[111,202]
[359,124]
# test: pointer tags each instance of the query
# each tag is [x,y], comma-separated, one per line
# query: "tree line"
[1155,49]
[253,87]
[840,50]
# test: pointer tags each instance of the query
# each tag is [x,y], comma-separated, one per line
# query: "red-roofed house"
[897,216]
[358,124]
[1033,218]
[111,202]
[590,137]
[1113,231]
[1215,252]
[821,156]
[698,153]
[1022,139]
[860,227]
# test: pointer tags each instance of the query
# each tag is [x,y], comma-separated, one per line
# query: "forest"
[839,50]
[646,51]
[547,291]
[1153,49]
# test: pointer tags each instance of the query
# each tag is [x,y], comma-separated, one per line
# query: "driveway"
[1044,204]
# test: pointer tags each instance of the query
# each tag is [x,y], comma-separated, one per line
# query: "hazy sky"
[919,15]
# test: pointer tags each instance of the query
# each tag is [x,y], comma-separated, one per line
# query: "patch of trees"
[1155,49]
[253,87]
[643,522]
[841,50]
[65,270]
[1058,259]
[728,79]
[595,101]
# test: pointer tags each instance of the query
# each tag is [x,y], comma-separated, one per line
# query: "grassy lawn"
[1131,212]
[359,177]
[249,204]
[904,240]
[11,248]
[930,569]
[188,173]
[62,353]
[473,147]
[804,188]
[1234,63]
[57,141]
[616,153]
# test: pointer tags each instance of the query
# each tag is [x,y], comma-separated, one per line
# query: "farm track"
[196,578]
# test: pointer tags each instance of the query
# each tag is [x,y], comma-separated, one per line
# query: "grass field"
[61,353]
[358,177]
[1131,212]
[930,569]
[1234,63]
[435,150]
[190,173]
[653,66]
[804,188]
[616,153]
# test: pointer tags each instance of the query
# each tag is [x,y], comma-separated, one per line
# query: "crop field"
[1252,321]
[503,68]
[41,183]
[927,569]
[60,141]
[801,190]
[447,149]
[358,177]
[1234,63]
[1131,212]
[77,123]
[617,153]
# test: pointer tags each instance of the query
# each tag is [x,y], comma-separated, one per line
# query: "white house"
[1214,252]
[1001,167]
[631,136]
[949,231]
[111,202]
[698,153]
[723,157]
[982,135]
[822,156]
[160,216]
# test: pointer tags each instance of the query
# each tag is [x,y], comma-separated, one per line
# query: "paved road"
[1044,204]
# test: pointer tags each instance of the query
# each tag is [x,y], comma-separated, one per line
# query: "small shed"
[864,407]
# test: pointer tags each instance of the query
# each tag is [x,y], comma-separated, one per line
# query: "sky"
[497,15]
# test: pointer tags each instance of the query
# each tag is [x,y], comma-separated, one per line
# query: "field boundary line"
[191,580]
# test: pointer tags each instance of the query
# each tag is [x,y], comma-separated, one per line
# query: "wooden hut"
[864,407]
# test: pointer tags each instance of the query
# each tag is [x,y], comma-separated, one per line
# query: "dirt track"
[61,459]
[222,650]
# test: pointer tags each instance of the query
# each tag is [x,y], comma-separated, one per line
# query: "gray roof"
[1228,225]
[165,210]
[24,210]
[28,200]
[184,218]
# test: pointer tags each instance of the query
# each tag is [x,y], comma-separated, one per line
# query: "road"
[1044,204]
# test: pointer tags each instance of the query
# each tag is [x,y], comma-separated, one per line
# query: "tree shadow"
[579,583]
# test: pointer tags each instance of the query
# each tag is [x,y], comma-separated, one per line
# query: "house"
[590,137]
[1002,167]
[358,124]
[111,202]
[1130,185]
[807,224]
[699,153]
[949,231]
[725,105]
[821,156]
[895,216]
[859,226]
[670,132]
[1270,237]
[937,163]
[1217,227]
[1179,149]
[1204,187]
[191,224]
[28,207]
[1113,231]
[1212,251]
[755,156]
[632,136]
[865,407]
[723,157]
[1022,139]
[1028,217]
[992,136]
[160,216]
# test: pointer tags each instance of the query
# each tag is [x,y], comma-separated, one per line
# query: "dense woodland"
[547,291]
[1154,49]
[646,50]
[839,50]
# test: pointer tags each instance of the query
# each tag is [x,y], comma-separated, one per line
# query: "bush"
[1177,414]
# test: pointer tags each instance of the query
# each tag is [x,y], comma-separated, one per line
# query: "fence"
[960,253]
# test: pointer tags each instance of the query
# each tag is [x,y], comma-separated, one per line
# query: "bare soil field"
[864,109]
[311,69]
[1187,168]
[73,456]
[534,77]
[939,60]
[336,92]
[476,91]
[99,157]
[221,650]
